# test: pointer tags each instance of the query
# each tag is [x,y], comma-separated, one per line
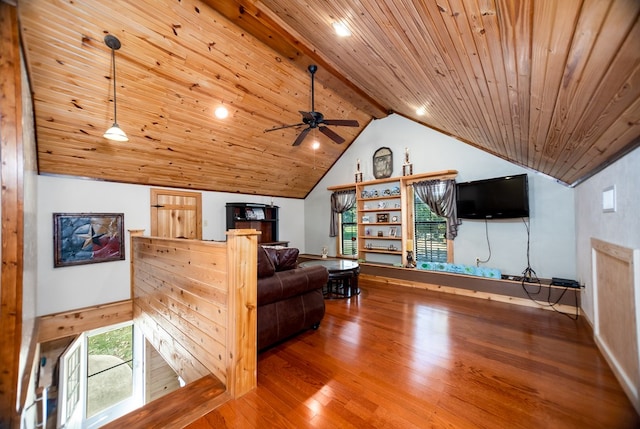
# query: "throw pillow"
[287,258]
[265,265]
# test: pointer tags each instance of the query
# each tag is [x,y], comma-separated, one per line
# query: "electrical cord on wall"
[553,304]
[486,231]
[529,277]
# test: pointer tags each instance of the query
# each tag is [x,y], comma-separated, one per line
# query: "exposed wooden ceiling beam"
[265,26]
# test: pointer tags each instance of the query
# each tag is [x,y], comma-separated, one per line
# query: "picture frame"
[258,213]
[87,238]
[250,214]
[382,217]
[382,163]
[393,231]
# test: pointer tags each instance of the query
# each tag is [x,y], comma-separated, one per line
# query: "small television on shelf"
[497,198]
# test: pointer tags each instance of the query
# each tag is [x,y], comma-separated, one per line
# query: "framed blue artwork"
[87,238]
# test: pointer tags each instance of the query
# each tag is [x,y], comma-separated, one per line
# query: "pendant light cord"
[115,104]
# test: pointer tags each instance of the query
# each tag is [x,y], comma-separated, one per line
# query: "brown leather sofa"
[290,298]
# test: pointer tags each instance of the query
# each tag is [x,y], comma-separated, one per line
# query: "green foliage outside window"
[430,234]
[349,233]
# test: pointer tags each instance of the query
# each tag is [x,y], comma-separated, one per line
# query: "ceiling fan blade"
[301,136]
[331,134]
[341,122]
[283,127]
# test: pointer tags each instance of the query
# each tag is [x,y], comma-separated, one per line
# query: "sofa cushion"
[285,258]
[266,267]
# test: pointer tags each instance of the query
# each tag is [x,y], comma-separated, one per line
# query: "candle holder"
[358,177]
[410,260]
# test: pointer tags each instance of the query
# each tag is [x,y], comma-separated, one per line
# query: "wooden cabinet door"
[176,214]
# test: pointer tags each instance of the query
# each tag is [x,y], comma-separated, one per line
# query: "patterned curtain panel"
[341,201]
[440,196]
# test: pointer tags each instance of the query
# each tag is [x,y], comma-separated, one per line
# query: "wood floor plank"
[396,357]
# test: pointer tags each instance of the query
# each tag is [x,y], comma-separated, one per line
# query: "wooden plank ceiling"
[549,85]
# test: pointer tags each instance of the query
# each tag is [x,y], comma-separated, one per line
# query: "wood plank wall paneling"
[171,279]
[11,176]
[75,322]
[195,302]
[160,378]
[616,329]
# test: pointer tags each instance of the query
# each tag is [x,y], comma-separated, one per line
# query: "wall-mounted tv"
[497,198]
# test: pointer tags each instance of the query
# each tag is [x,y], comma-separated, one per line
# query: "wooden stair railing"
[196,303]
[178,408]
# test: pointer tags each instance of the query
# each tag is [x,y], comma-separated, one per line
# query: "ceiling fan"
[316,119]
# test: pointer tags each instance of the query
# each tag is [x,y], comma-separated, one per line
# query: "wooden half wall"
[196,303]
[616,282]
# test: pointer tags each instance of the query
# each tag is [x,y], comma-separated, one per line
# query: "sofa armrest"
[285,284]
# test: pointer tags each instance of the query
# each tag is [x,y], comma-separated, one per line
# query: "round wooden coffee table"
[343,277]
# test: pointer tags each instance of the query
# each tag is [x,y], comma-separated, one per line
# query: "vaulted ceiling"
[549,85]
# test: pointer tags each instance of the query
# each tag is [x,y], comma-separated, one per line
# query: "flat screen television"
[497,198]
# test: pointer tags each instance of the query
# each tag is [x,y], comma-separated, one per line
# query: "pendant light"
[114,133]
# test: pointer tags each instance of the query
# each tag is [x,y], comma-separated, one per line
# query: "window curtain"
[440,196]
[341,201]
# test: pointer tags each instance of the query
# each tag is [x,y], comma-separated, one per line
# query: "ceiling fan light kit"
[315,119]
[115,132]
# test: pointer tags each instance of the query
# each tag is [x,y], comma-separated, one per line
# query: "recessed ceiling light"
[221,112]
[341,29]
[315,145]
[421,111]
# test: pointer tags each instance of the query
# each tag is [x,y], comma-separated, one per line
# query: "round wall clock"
[382,163]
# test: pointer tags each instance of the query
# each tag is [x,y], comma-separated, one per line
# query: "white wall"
[552,204]
[68,288]
[621,227]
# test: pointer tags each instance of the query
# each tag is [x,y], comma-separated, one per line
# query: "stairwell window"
[101,376]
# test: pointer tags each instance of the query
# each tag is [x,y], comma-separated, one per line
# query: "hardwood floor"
[410,358]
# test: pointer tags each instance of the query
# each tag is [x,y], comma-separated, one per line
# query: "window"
[430,233]
[110,368]
[349,233]
[101,376]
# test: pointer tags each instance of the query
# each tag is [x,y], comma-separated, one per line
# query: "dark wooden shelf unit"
[261,217]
